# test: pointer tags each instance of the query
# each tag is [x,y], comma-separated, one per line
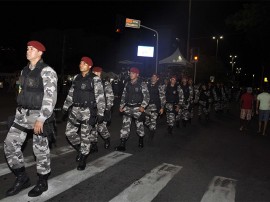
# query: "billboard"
[145,51]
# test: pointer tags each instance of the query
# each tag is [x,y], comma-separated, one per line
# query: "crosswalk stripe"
[29,160]
[221,189]
[71,178]
[147,188]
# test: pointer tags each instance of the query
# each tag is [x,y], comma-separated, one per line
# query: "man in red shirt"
[246,106]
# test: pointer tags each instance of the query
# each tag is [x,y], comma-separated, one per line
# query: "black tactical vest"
[172,95]
[154,94]
[185,91]
[32,92]
[134,93]
[84,94]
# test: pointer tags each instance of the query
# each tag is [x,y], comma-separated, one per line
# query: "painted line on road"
[147,188]
[29,160]
[3,123]
[221,189]
[71,178]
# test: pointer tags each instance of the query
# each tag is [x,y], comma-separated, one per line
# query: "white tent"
[176,59]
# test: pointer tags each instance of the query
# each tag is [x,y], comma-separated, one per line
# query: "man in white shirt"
[263,109]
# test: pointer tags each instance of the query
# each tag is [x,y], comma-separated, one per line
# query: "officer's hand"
[141,109]
[38,127]
[100,119]
[161,111]
[121,109]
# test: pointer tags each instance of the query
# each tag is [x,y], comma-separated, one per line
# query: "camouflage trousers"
[219,105]
[15,139]
[99,129]
[171,114]
[76,116]
[203,109]
[129,113]
[151,117]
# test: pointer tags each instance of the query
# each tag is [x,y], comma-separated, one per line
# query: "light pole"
[233,57]
[217,39]
[156,45]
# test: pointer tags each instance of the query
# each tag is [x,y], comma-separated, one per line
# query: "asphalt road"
[203,162]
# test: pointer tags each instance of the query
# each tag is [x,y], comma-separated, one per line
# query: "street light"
[233,57]
[217,39]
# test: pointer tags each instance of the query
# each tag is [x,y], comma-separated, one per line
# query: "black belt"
[133,105]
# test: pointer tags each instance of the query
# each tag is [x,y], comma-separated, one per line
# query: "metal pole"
[217,49]
[195,72]
[156,45]
[188,37]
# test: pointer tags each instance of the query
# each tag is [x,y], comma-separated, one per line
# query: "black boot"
[22,182]
[140,142]
[82,163]
[93,148]
[107,143]
[122,146]
[170,128]
[42,185]
[77,147]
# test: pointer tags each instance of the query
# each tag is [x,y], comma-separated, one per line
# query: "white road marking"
[147,188]
[221,189]
[71,178]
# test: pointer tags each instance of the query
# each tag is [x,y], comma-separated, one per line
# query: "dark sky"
[21,18]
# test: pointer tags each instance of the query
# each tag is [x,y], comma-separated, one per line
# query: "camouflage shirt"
[109,95]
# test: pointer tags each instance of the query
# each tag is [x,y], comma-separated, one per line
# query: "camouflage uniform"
[131,109]
[219,97]
[186,103]
[81,113]
[102,127]
[157,101]
[204,102]
[27,115]
[172,101]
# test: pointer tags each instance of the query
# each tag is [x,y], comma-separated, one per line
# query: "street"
[206,161]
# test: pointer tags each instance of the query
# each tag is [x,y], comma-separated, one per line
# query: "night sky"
[97,19]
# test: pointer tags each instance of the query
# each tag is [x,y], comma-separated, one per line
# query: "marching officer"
[134,100]
[109,98]
[86,97]
[186,101]
[156,104]
[36,100]
[172,102]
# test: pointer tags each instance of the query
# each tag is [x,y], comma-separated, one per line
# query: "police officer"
[156,104]
[134,99]
[186,101]
[86,99]
[36,100]
[204,102]
[109,98]
[172,102]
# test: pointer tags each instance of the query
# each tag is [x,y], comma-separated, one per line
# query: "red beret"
[97,69]
[134,70]
[37,45]
[87,60]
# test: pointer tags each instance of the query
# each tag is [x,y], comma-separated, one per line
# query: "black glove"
[107,115]
[100,119]
[142,117]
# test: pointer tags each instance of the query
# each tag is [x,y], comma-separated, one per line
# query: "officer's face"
[173,81]
[154,79]
[184,80]
[133,75]
[33,54]
[84,67]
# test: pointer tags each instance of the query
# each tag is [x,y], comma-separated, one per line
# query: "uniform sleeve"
[69,99]
[191,95]
[181,95]
[49,78]
[162,97]
[99,95]
[123,97]
[109,95]
[146,95]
